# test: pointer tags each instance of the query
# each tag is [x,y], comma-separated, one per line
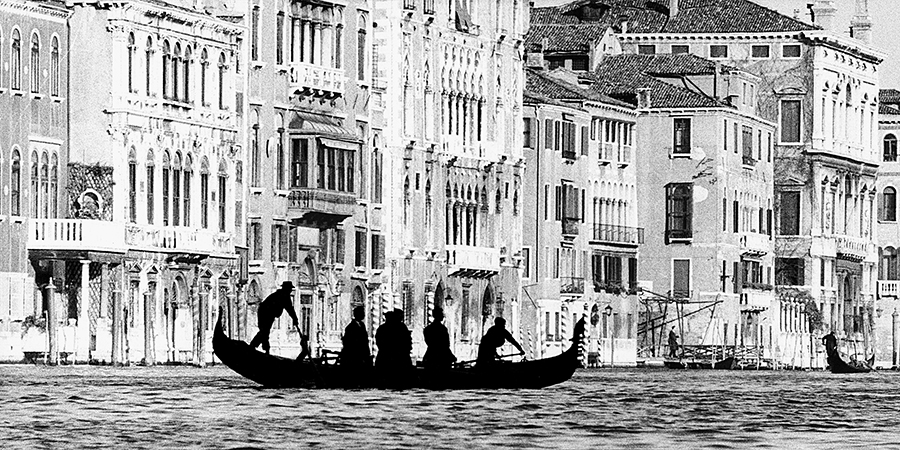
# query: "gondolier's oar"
[463,363]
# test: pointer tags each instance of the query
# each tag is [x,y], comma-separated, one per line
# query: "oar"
[463,363]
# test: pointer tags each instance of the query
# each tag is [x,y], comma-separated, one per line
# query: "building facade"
[451,165]
[887,311]
[581,239]
[142,256]
[33,152]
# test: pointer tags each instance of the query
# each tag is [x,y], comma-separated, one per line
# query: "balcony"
[755,244]
[326,81]
[453,145]
[75,235]
[852,248]
[319,205]
[888,288]
[615,234]
[607,153]
[625,155]
[178,240]
[571,285]
[472,262]
[756,299]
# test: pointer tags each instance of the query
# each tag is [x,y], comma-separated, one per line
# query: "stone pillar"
[52,325]
[231,307]
[82,352]
[149,354]
[895,332]
[118,321]
[201,325]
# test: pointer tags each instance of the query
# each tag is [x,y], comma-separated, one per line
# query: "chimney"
[673,8]
[823,13]
[643,98]
[861,24]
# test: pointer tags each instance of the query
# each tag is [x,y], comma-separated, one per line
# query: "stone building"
[311,218]
[34,44]
[821,88]
[143,253]
[450,162]
[580,240]
[887,311]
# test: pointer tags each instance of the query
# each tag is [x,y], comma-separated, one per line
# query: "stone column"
[232,313]
[118,320]
[52,325]
[82,352]
[149,355]
[306,45]
[201,325]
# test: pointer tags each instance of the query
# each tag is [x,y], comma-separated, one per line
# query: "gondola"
[836,364]
[272,371]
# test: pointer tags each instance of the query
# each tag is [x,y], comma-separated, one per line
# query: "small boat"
[729,363]
[837,364]
[279,372]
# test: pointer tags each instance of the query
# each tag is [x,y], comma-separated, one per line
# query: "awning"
[333,143]
[311,123]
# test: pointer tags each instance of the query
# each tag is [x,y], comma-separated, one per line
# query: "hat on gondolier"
[287,285]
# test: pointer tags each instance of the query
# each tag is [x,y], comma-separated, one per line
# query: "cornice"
[36,8]
[183,17]
[708,36]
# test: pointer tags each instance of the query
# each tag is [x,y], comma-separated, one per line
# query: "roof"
[620,76]
[889,96]
[564,38]
[693,16]
[540,83]
[888,110]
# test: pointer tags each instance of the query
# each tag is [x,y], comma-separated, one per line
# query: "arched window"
[132,186]
[279,152]
[204,193]
[223,175]
[165,188]
[279,38]
[45,186]
[187,174]
[255,156]
[131,49]
[148,74]
[54,186]
[35,192]
[35,63]
[175,94]
[186,75]
[361,47]
[54,67]
[406,200]
[254,34]
[166,75]
[15,61]
[338,38]
[428,205]
[889,204]
[176,190]
[889,264]
[151,185]
[376,175]
[15,182]
[204,65]
[890,148]
[222,69]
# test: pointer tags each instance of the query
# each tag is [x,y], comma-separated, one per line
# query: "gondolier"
[495,337]
[271,309]
[673,343]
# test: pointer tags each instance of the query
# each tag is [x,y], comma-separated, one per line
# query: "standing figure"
[271,309]
[355,352]
[830,342]
[495,337]
[438,355]
[394,345]
[673,343]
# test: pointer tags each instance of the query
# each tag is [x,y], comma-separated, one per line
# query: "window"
[718,51]
[339,47]
[255,155]
[222,68]
[256,239]
[280,157]
[360,255]
[35,63]
[204,195]
[279,38]
[759,51]
[254,34]
[890,148]
[889,204]
[148,66]
[131,50]
[789,272]
[187,174]
[526,262]
[176,190]
[165,188]
[681,278]
[54,67]
[584,140]
[747,144]
[15,181]
[299,163]
[204,67]
[54,184]
[132,188]
[579,63]
[679,49]
[361,47]
[646,49]
[150,187]
[377,251]
[682,137]
[222,197]
[527,133]
[15,57]
[679,209]
[790,213]
[790,51]
[790,121]
[166,69]
[186,75]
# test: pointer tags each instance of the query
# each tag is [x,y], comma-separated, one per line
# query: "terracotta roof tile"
[889,96]
[564,38]
[551,85]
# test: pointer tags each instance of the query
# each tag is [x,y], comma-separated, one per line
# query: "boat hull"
[836,364]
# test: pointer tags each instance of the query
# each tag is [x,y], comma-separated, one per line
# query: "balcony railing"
[471,261]
[618,234]
[571,285]
[318,78]
[178,239]
[321,203]
[852,248]
[757,299]
[75,234]
[755,243]
[888,288]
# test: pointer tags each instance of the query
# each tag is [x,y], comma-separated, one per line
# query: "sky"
[885,37]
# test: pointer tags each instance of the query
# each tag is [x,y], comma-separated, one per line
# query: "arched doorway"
[487,307]
[849,309]
[439,296]
[358,298]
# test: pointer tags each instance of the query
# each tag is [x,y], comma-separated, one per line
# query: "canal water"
[183,407]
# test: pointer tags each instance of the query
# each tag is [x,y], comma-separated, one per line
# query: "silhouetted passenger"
[271,309]
[673,343]
[394,344]
[495,337]
[438,355]
[304,347]
[355,352]
[830,342]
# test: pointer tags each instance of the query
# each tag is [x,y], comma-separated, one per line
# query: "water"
[166,407]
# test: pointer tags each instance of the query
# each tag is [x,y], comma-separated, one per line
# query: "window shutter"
[584,140]
[548,133]
[880,206]
[339,245]
[668,212]
[769,222]
[689,219]
[274,242]
[737,278]
[323,246]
